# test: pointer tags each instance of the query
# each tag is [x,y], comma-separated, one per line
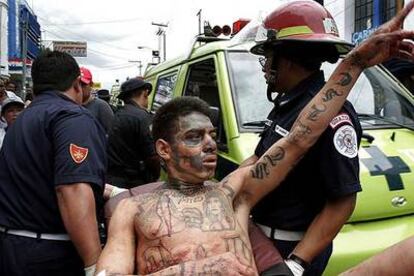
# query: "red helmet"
[304,20]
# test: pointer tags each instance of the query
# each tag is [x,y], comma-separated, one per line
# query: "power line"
[88,39]
[98,22]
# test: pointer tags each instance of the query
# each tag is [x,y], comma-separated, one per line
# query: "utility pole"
[199,21]
[161,32]
[139,66]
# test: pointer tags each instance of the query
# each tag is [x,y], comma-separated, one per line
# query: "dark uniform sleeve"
[79,149]
[261,147]
[147,143]
[339,160]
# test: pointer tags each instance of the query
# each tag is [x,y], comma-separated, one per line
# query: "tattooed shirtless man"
[189,227]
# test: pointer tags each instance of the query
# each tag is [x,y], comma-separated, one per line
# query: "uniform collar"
[310,85]
[53,94]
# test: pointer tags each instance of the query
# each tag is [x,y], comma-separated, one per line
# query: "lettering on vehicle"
[390,166]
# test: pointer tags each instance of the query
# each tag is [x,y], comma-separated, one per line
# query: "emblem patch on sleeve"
[340,119]
[77,153]
[345,141]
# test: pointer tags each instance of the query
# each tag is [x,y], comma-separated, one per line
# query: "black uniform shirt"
[330,169]
[130,141]
[53,142]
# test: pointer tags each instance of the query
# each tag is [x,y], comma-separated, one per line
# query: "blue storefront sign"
[358,37]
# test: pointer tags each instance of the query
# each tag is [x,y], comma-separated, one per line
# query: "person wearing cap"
[10,109]
[4,94]
[311,205]
[132,159]
[99,108]
[52,172]
[104,95]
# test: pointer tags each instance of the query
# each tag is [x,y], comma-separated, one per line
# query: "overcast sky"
[114,29]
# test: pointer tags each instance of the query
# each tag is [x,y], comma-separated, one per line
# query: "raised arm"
[268,171]
[118,255]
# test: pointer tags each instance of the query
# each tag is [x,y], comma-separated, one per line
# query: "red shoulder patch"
[340,119]
[77,153]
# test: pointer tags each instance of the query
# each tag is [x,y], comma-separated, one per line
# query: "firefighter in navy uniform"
[311,205]
[52,170]
[131,151]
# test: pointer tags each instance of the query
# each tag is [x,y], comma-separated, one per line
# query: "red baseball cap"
[86,76]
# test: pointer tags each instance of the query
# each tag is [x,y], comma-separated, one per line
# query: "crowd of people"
[68,151]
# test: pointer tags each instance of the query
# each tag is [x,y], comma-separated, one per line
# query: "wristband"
[280,269]
[90,270]
[115,191]
[299,260]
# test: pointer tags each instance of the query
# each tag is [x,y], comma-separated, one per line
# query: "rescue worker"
[131,152]
[52,169]
[99,108]
[311,205]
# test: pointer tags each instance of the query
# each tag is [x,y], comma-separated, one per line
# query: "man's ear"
[77,85]
[163,149]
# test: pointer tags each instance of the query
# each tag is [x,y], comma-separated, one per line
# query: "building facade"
[357,19]
[23,41]
[4,68]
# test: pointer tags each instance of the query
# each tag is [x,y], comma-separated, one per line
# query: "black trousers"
[318,264]
[29,256]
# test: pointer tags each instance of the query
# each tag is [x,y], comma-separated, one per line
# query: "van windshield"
[379,101]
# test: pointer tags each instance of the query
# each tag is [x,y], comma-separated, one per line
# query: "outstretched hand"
[389,41]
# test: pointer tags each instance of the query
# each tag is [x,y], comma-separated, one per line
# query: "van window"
[249,90]
[378,100]
[164,90]
[202,83]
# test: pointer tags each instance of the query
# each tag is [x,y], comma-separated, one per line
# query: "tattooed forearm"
[316,110]
[330,94]
[299,132]
[345,80]
[261,169]
[357,61]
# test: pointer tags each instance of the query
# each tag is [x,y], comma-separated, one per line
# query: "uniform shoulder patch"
[77,153]
[345,141]
[340,119]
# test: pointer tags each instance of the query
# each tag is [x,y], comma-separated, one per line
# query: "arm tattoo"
[357,61]
[330,94]
[346,79]
[261,169]
[316,110]
[230,191]
[299,131]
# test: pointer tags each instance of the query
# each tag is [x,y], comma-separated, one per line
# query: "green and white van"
[227,76]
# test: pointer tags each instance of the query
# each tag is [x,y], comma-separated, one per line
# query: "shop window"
[389,9]
[363,15]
